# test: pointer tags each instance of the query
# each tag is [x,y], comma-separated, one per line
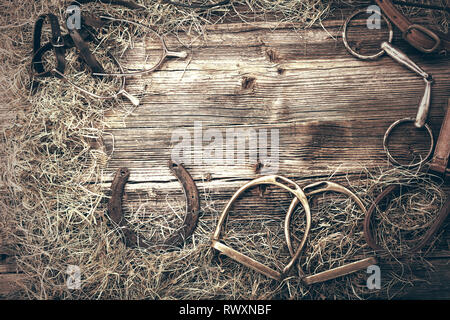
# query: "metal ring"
[353,52]
[369,228]
[388,133]
[58,42]
[279,181]
[165,52]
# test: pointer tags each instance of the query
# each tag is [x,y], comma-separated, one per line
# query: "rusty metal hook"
[177,239]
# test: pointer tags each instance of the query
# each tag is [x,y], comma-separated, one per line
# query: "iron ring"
[353,52]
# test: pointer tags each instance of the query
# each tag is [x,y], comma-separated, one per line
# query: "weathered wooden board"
[331,111]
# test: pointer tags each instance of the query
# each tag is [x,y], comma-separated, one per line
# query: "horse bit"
[439,164]
[419,37]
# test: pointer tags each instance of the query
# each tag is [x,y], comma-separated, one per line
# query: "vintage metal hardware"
[79,39]
[316,188]
[177,239]
[392,189]
[403,59]
[418,36]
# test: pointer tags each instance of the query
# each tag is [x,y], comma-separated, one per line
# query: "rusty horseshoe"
[177,239]
[316,188]
[219,245]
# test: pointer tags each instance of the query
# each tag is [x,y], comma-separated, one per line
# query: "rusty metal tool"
[399,56]
[427,237]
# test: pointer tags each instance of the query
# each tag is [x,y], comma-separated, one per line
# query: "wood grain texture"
[331,111]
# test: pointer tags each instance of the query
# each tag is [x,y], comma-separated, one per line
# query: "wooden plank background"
[331,111]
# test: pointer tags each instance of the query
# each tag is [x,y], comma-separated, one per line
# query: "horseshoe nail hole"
[281,71]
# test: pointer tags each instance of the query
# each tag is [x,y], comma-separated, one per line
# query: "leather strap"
[392,189]
[177,239]
[439,163]
[78,38]
[84,52]
[423,39]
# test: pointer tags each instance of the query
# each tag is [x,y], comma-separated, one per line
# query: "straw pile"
[53,208]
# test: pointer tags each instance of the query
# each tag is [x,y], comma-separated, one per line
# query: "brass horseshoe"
[192,208]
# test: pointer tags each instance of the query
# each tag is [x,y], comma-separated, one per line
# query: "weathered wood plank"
[331,111]
[436,285]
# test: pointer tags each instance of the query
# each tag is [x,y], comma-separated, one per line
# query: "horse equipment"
[392,189]
[279,181]
[418,36]
[439,163]
[59,44]
[440,160]
[316,188]
[177,239]
[79,39]
[424,105]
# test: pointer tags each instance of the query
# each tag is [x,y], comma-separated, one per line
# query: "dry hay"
[53,204]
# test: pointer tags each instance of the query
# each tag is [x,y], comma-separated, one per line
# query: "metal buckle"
[427,32]
[58,42]
[353,52]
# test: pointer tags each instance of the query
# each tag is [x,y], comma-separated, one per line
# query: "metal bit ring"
[353,52]
[388,133]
